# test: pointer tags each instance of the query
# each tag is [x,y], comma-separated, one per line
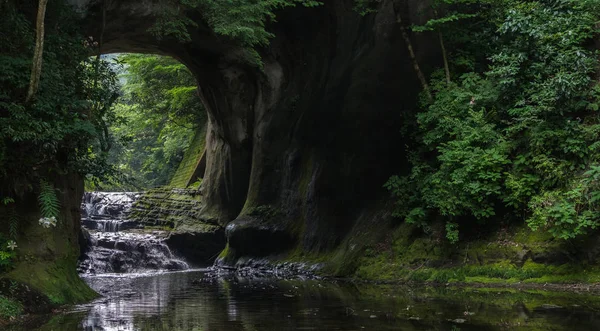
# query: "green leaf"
[48,200]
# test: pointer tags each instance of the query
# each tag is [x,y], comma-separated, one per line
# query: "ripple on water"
[197,300]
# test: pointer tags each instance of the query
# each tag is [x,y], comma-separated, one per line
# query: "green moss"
[307,174]
[227,255]
[526,236]
[59,281]
[225,252]
[9,308]
[497,273]
[501,258]
[168,208]
[264,212]
[343,261]
[489,280]
[380,251]
[183,176]
[158,228]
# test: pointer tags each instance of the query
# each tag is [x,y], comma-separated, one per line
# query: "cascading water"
[114,244]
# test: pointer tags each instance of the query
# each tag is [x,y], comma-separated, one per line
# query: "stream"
[145,286]
[198,300]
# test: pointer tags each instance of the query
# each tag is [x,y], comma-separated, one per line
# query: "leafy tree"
[53,133]
[158,114]
[52,121]
[365,7]
[243,21]
[446,14]
[516,133]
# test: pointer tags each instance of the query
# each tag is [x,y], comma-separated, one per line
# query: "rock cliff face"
[47,257]
[296,152]
[181,211]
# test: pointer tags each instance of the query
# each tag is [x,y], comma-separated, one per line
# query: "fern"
[48,201]
[7,200]
[13,223]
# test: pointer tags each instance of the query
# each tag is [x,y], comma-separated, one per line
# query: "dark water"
[192,301]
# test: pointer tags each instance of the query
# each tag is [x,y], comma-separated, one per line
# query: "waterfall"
[114,244]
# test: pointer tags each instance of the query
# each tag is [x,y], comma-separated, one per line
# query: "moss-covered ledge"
[382,249]
[38,287]
[513,256]
[59,280]
[192,235]
[43,274]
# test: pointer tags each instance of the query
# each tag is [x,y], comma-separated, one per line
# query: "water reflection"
[193,301]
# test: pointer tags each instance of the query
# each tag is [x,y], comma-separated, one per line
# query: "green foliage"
[7,200]
[9,308]
[63,129]
[452,232]
[365,7]
[7,254]
[157,116]
[196,184]
[12,216]
[48,201]
[451,12]
[517,133]
[13,223]
[437,24]
[571,210]
[170,22]
[243,21]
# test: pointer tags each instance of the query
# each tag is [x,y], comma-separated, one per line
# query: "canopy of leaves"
[243,21]
[159,112]
[517,135]
[62,129]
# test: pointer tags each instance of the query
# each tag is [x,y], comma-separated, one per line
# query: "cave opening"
[153,144]
[281,142]
[154,125]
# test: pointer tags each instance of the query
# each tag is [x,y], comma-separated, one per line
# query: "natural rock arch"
[296,153]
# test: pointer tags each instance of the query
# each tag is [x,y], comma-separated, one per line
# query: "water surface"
[194,300]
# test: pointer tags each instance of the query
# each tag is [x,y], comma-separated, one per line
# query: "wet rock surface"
[167,207]
[249,268]
[113,244]
[199,248]
[106,205]
[255,238]
[32,300]
[129,252]
[196,238]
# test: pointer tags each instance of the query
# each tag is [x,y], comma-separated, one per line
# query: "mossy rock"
[258,237]
[59,281]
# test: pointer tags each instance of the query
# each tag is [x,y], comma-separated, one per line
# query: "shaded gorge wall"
[295,153]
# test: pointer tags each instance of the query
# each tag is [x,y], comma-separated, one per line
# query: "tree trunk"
[413,58]
[36,68]
[443,48]
[445,57]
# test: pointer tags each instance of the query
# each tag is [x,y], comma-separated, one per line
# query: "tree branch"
[413,58]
